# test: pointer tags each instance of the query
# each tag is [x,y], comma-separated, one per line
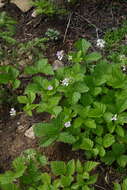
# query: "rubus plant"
[88,108]
[27,174]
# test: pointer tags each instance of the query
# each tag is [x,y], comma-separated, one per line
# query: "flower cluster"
[114,118]
[12,112]
[50,87]
[60,55]
[67,124]
[65,82]
[100,43]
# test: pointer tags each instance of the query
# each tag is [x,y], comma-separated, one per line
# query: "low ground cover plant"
[27,174]
[88,106]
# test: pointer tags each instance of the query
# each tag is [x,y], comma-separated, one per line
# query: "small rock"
[57,64]
[30,133]
[1,3]
[23,5]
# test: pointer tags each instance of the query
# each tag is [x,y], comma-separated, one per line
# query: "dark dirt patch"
[90,19]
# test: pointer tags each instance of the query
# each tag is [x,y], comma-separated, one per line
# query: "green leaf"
[45,129]
[122,160]
[58,168]
[116,78]
[46,178]
[31,97]
[92,179]
[9,187]
[108,140]
[82,45]
[42,159]
[98,110]
[120,131]
[109,158]
[89,166]
[75,186]
[81,87]
[57,183]
[22,99]
[101,151]
[7,177]
[44,187]
[95,56]
[29,107]
[16,83]
[66,180]
[85,187]
[87,144]
[79,167]
[66,138]
[31,188]
[46,141]
[124,184]
[57,110]
[19,166]
[121,105]
[41,66]
[77,122]
[85,175]
[75,97]
[118,149]
[90,123]
[70,167]
[4,78]
[117,186]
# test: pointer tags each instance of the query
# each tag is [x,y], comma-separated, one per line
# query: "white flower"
[124,68]
[100,43]
[12,112]
[65,82]
[60,55]
[114,118]
[50,87]
[67,124]
[122,57]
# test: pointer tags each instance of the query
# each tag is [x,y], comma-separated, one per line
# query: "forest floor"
[88,20]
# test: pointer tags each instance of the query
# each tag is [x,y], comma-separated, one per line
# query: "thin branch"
[99,187]
[68,24]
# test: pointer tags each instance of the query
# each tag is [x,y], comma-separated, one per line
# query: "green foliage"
[113,37]
[47,7]
[7,32]
[88,109]
[7,28]
[52,34]
[122,186]
[28,175]
[8,83]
